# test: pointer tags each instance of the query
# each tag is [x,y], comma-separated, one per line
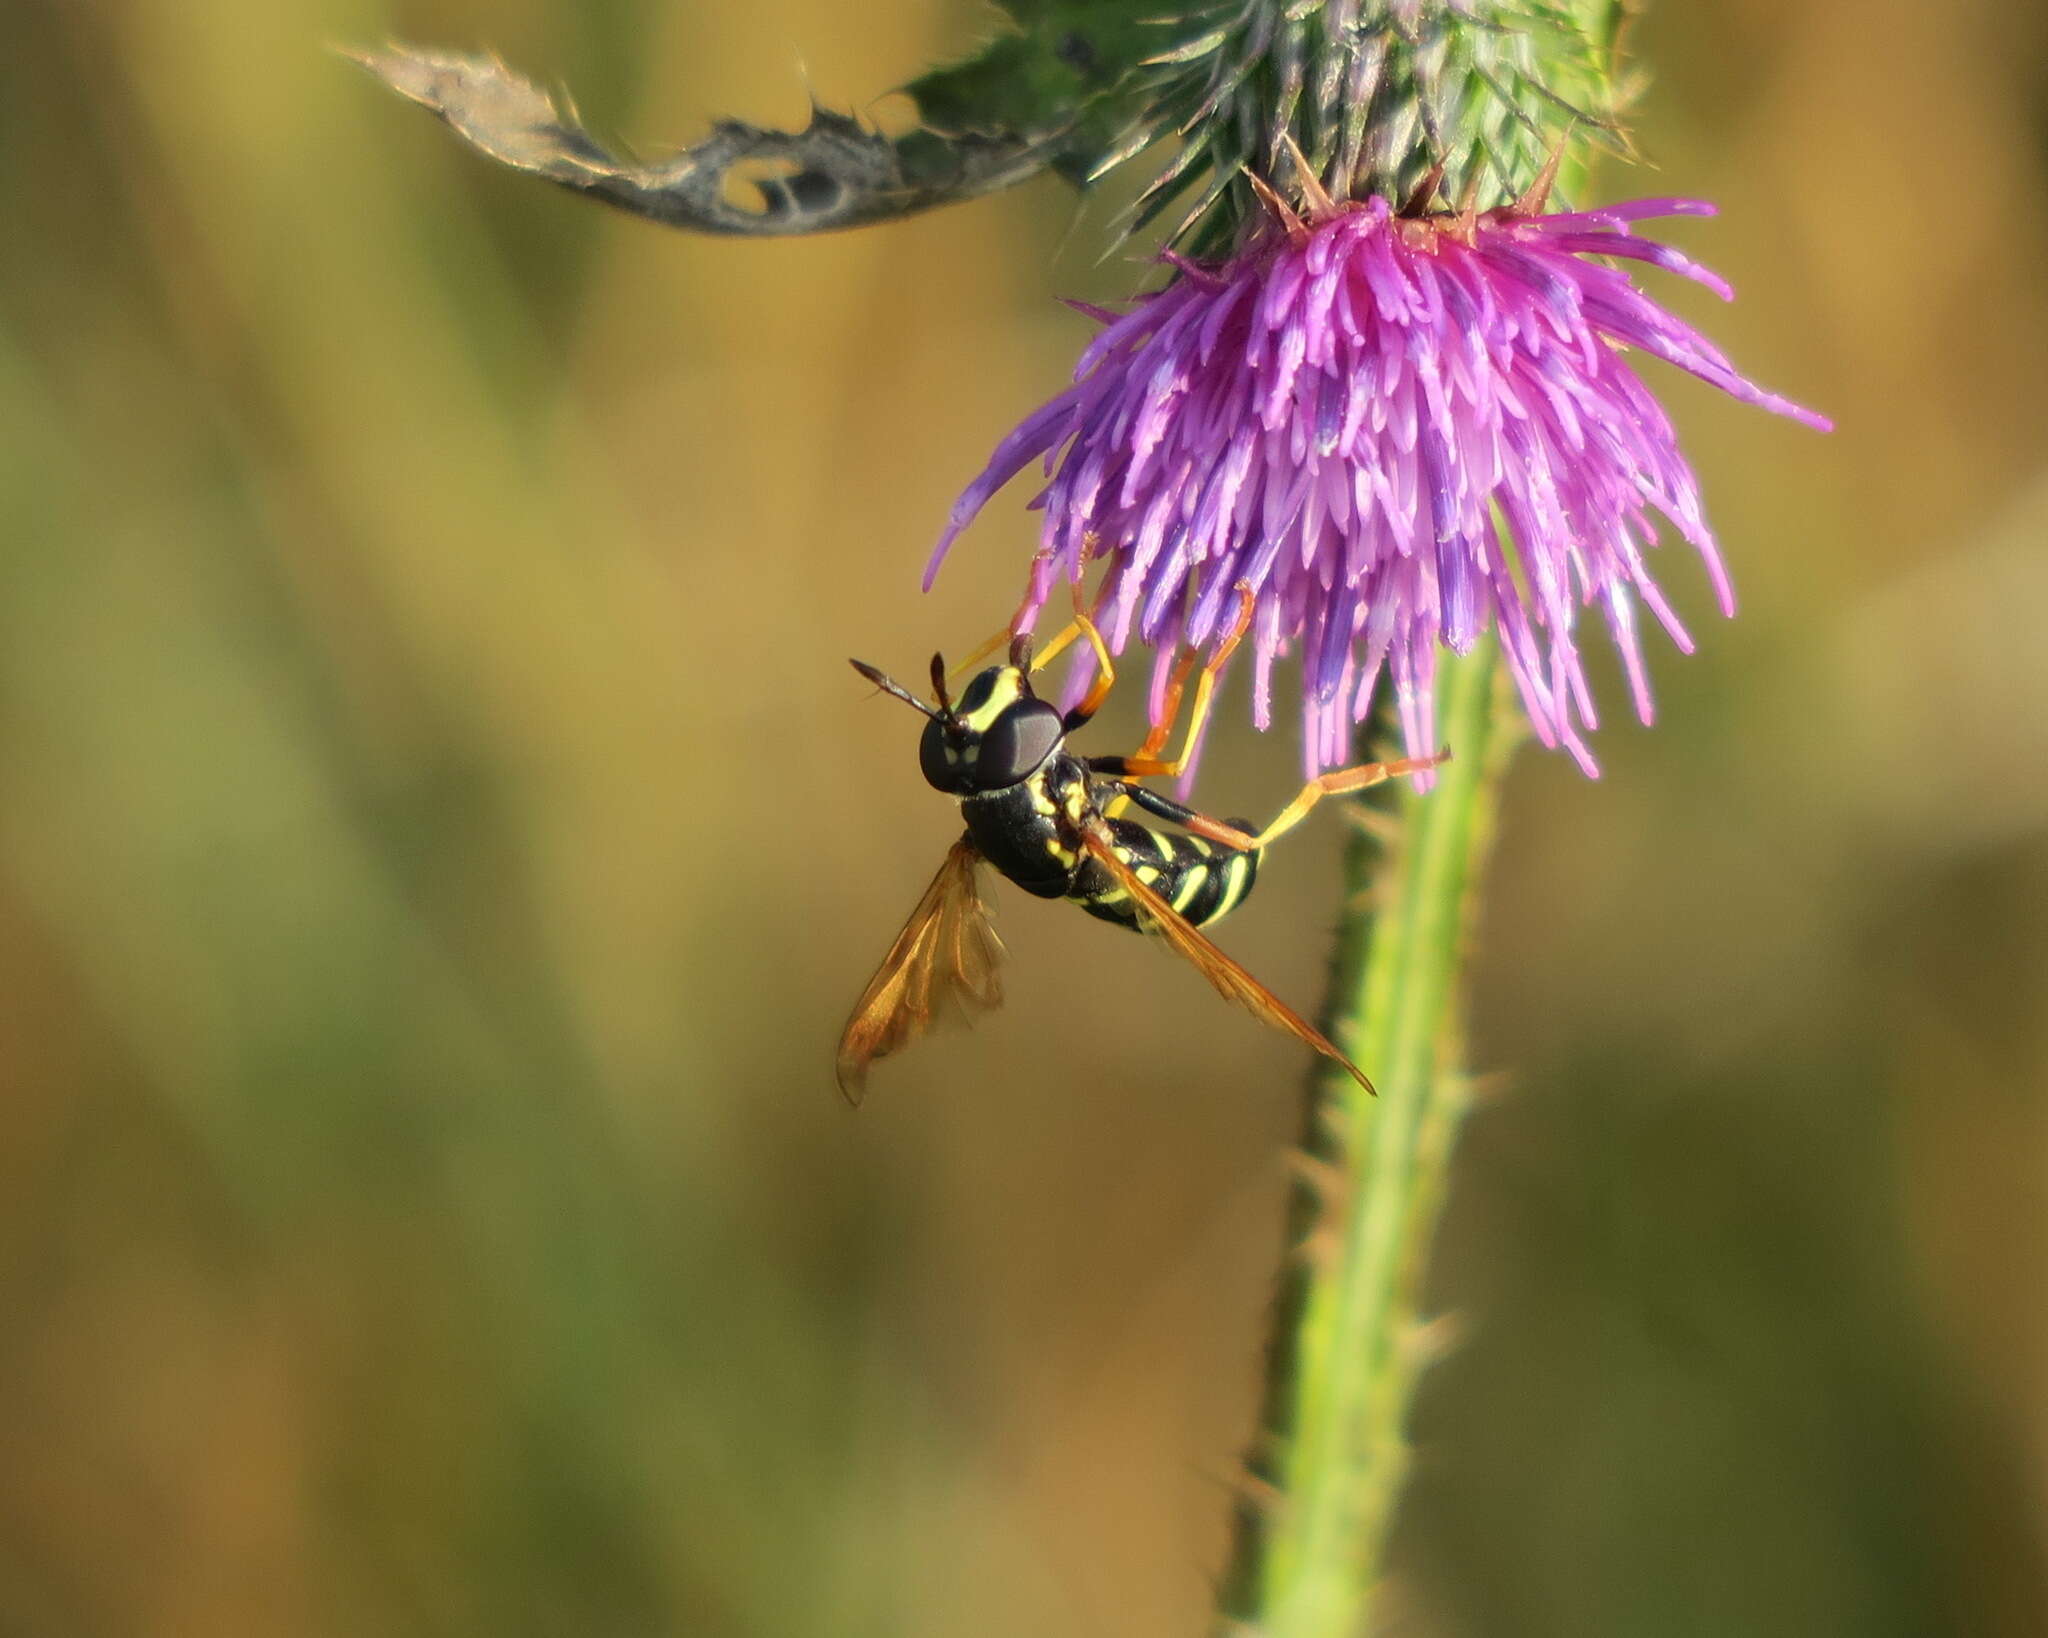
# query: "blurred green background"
[439,839]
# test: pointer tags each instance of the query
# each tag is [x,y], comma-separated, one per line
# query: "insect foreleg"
[1105,667]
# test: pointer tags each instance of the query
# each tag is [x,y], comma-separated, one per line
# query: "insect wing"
[947,949]
[1230,979]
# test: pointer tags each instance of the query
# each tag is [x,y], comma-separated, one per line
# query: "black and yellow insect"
[1052,822]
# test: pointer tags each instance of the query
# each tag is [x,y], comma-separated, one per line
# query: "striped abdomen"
[1199,878]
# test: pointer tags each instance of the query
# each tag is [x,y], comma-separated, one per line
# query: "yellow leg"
[1155,741]
[1005,635]
[1338,783]
[1079,626]
[1105,668]
[973,661]
[1146,763]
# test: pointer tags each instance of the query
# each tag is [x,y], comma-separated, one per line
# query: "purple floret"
[1398,433]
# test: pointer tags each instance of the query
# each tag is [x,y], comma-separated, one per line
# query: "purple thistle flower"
[1396,431]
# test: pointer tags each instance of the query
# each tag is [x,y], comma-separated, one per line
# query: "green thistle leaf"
[1055,85]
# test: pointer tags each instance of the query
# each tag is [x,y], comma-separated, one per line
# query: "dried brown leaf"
[841,174]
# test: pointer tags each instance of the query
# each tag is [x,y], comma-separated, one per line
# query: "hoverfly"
[1052,823]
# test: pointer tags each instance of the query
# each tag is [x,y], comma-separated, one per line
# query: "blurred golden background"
[441,838]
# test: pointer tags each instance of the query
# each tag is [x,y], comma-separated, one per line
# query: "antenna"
[890,686]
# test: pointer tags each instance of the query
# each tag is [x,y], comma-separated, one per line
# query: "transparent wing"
[948,949]
[1231,980]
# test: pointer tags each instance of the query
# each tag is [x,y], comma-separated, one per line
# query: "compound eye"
[1016,743]
[942,759]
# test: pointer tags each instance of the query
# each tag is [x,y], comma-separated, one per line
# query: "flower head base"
[1397,431]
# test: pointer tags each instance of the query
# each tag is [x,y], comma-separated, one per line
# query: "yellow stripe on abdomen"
[1237,881]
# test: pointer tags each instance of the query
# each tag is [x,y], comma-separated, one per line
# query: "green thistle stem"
[1347,1347]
